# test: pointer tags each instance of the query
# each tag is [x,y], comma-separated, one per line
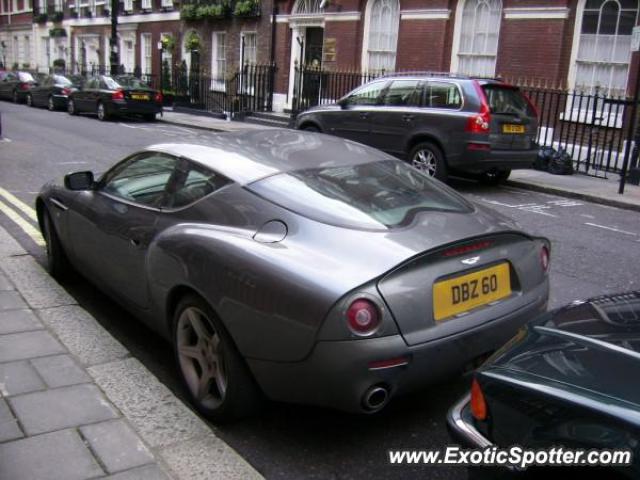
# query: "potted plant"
[192,41]
[188,12]
[59,64]
[168,43]
[41,18]
[57,32]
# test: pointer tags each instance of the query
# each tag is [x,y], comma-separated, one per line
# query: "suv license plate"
[510,128]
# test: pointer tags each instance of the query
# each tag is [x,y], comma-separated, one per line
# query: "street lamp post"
[114,58]
[161,50]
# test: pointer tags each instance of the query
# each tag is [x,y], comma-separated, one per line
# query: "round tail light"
[363,317]
[478,403]
[544,258]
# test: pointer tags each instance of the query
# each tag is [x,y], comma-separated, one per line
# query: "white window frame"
[146,44]
[457,38]
[166,3]
[244,35]
[146,4]
[128,5]
[393,31]
[42,6]
[58,6]
[217,77]
[26,50]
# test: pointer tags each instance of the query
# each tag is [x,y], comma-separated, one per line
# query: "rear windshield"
[25,77]
[507,101]
[131,82]
[378,195]
[60,80]
[111,83]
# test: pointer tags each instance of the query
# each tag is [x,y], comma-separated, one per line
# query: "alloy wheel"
[50,104]
[201,357]
[71,107]
[425,161]
[101,112]
[29,100]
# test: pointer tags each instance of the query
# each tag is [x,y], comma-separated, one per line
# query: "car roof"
[247,156]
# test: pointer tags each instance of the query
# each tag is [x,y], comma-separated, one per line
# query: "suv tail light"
[158,97]
[66,91]
[478,403]
[363,317]
[480,123]
[117,95]
[24,86]
[544,258]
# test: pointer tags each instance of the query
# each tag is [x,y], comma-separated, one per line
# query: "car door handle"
[135,242]
[407,117]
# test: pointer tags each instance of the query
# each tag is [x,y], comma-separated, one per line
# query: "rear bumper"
[461,428]
[336,374]
[125,108]
[478,161]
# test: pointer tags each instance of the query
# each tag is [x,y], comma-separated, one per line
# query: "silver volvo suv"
[441,124]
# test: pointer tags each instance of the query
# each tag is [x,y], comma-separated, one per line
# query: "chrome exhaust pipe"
[375,398]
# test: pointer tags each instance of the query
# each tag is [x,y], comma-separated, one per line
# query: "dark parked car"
[313,269]
[15,85]
[109,96]
[441,124]
[52,91]
[569,378]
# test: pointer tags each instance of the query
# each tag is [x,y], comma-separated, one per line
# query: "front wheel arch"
[311,126]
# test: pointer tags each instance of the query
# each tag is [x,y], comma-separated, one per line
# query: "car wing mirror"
[79,181]
[343,102]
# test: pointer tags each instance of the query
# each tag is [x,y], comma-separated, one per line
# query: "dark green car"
[108,96]
[568,379]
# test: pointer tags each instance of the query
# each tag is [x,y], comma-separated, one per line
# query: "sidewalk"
[75,405]
[587,188]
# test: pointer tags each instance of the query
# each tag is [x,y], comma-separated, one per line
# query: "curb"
[182,443]
[573,194]
[189,125]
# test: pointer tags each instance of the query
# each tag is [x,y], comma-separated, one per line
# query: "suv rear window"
[25,77]
[507,101]
[375,196]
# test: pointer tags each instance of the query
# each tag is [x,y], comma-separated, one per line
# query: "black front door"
[312,81]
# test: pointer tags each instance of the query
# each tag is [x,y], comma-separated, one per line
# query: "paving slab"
[19,346]
[82,334]
[9,429]
[156,414]
[14,321]
[35,284]
[116,445]
[5,284]
[19,377]
[9,246]
[60,371]
[61,408]
[11,300]
[53,456]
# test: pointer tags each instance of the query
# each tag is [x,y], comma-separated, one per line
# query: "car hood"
[592,347]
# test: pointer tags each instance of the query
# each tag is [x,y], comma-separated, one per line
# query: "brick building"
[16,38]
[576,43]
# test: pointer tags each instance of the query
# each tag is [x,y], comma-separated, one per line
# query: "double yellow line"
[8,202]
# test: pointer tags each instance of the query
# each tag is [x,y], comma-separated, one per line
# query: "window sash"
[384,20]
[479,37]
[250,48]
[146,4]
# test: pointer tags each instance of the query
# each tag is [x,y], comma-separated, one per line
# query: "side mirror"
[79,181]
[343,102]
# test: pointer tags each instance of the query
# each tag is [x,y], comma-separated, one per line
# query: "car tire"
[495,177]
[429,159]
[51,104]
[30,100]
[101,110]
[149,117]
[15,97]
[213,371]
[311,128]
[71,107]
[57,262]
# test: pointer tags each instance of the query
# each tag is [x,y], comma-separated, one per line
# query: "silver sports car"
[298,266]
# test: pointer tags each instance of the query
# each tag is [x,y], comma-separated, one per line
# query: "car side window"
[10,77]
[442,95]
[141,179]
[191,183]
[367,95]
[402,93]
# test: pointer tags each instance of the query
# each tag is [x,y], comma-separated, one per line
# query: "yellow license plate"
[509,128]
[466,292]
[137,96]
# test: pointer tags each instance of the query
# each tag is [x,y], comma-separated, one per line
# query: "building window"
[382,23]
[166,3]
[604,50]
[128,5]
[146,4]
[250,44]
[218,59]
[145,52]
[58,6]
[26,59]
[479,37]
[42,6]
[45,52]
